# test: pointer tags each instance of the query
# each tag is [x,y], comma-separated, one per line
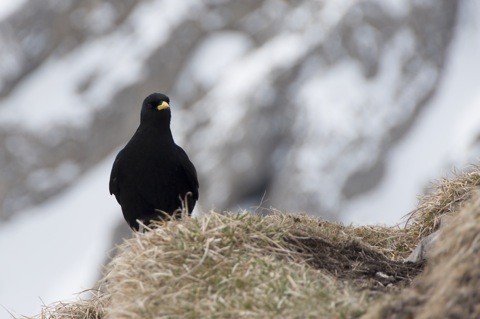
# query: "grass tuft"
[445,198]
[294,266]
[245,266]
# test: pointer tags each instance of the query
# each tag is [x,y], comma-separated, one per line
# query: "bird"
[152,176]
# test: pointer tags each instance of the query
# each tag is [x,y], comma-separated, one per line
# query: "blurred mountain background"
[344,109]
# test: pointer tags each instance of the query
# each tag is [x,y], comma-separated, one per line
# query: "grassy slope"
[291,266]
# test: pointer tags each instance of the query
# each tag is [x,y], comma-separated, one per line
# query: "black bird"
[151,173]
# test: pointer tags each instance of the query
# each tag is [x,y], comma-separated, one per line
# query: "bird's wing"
[114,184]
[190,171]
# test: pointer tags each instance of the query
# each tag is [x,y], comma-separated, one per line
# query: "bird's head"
[155,108]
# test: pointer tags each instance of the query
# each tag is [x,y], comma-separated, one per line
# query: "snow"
[210,59]
[56,250]
[342,102]
[51,95]
[442,133]
[44,179]
[227,100]
[333,11]
[9,7]
[241,80]
[102,18]
[34,103]
[215,53]
[397,7]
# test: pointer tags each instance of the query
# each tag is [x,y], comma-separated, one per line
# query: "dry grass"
[242,265]
[92,308]
[294,266]
[394,242]
[219,267]
[445,198]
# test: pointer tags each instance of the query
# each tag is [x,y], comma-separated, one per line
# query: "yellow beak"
[163,106]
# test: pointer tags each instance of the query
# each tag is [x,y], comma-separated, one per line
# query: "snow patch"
[215,54]
[9,7]
[337,107]
[44,179]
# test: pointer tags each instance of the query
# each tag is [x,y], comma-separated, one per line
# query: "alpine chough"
[152,175]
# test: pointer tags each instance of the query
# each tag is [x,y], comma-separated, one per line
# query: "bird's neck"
[161,131]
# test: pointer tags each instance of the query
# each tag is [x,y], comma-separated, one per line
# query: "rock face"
[293,102]
[423,250]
